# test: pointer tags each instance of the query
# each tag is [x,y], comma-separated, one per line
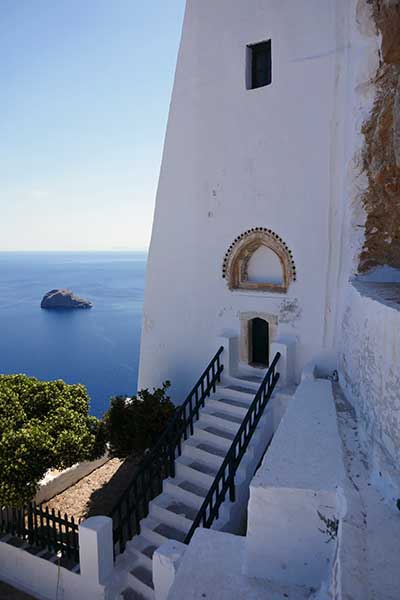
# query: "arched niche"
[264,265]
[259,260]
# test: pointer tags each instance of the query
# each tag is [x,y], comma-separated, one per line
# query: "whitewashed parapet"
[96,549]
[50,486]
[166,561]
[295,492]
[43,579]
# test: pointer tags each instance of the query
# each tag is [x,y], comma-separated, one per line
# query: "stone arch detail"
[239,253]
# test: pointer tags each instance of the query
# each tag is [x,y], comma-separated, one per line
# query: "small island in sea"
[62,298]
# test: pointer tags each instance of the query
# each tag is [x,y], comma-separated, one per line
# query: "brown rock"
[63,299]
[381,155]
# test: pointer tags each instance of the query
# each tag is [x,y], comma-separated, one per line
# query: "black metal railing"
[42,528]
[146,484]
[224,481]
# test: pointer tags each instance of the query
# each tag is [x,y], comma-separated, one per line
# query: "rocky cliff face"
[381,157]
[63,299]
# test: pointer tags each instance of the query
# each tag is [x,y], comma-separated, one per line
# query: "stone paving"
[7,592]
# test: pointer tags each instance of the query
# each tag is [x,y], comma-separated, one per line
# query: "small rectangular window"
[259,65]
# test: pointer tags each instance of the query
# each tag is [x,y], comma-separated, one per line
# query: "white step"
[248,381]
[172,511]
[142,549]
[140,578]
[189,493]
[131,594]
[159,532]
[221,419]
[219,427]
[231,406]
[205,431]
[238,390]
[185,470]
[147,527]
[207,453]
[246,370]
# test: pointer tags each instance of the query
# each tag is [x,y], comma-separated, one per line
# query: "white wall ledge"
[297,482]
[51,486]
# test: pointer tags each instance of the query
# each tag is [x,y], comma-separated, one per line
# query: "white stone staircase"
[171,513]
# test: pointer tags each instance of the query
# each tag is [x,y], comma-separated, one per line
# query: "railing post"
[213,377]
[172,460]
[185,436]
[30,523]
[231,476]
[197,402]
[191,415]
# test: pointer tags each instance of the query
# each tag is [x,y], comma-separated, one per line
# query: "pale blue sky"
[85,87]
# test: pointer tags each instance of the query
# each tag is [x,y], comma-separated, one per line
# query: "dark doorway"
[260,342]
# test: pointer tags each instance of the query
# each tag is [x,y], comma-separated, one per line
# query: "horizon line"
[78,250]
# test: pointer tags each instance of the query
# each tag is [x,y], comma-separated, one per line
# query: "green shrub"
[43,425]
[133,425]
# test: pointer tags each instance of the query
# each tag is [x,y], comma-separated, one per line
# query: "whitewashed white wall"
[365,330]
[47,580]
[370,370]
[43,579]
[236,159]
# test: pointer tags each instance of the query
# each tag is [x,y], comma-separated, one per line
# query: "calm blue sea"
[97,347]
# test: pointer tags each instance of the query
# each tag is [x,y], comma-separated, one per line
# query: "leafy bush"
[134,424]
[43,425]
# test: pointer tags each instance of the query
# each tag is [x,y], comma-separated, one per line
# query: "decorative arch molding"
[239,253]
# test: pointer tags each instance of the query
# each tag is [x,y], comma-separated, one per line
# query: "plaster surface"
[44,579]
[96,549]
[294,490]
[306,451]
[212,568]
[370,369]
[366,563]
[235,159]
[166,561]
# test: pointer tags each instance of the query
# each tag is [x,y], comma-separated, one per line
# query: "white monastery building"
[274,260]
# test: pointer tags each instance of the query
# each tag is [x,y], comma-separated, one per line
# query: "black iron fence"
[224,481]
[147,480]
[42,528]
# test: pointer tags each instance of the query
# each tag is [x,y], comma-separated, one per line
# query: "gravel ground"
[7,592]
[96,493]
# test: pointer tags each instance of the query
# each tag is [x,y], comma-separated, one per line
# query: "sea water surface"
[98,347]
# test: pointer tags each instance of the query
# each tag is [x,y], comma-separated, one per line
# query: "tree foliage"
[43,425]
[134,424]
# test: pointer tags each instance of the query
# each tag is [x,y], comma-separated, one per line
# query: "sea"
[98,347]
